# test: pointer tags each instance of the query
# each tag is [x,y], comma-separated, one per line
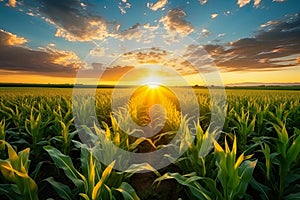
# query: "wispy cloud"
[159,4]
[205,32]
[202,2]
[124,6]
[214,15]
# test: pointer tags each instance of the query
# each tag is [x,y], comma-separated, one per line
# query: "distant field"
[256,156]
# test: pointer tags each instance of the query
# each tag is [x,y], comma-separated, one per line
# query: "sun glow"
[153,85]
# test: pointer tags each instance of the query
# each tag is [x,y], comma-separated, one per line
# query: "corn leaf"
[64,162]
[62,190]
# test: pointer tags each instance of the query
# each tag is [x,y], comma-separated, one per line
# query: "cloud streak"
[159,4]
[265,51]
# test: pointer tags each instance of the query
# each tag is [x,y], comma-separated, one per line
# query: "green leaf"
[64,162]
[11,191]
[105,175]
[127,191]
[294,150]
[293,196]
[197,190]
[62,190]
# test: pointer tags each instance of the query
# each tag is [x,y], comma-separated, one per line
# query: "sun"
[153,82]
[153,85]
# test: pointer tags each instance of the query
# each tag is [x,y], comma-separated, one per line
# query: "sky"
[134,41]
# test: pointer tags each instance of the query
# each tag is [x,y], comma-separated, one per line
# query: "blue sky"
[245,38]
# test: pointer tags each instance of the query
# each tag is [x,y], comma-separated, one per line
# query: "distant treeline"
[52,85]
[261,87]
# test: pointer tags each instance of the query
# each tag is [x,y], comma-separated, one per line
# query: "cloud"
[175,22]
[44,61]
[10,39]
[115,73]
[159,57]
[202,2]
[98,51]
[159,4]
[269,23]
[72,19]
[267,50]
[278,0]
[242,3]
[123,6]
[256,3]
[134,32]
[12,3]
[205,32]
[214,15]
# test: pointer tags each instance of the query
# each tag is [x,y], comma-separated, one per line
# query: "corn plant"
[244,125]
[285,154]
[94,182]
[66,137]
[2,134]
[233,175]
[35,128]
[15,170]
[196,158]
[15,115]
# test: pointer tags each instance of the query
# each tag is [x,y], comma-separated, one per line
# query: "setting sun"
[153,85]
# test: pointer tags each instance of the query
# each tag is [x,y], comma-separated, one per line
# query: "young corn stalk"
[233,174]
[35,128]
[15,170]
[196,158]
[245,125]
[94,183]
[287,153]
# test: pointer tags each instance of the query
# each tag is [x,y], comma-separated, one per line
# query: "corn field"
[42,156]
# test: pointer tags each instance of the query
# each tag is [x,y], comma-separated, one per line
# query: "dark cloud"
[72,19]
[98,70]
[47,61]
[267,50]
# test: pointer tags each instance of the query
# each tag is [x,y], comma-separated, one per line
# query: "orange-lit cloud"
[159,4]
[45,61]
[73,22]
[260,52]
[242,3]
[12,3]
[175,23]
[7,38]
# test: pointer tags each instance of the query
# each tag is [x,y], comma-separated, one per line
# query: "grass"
[256,156]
